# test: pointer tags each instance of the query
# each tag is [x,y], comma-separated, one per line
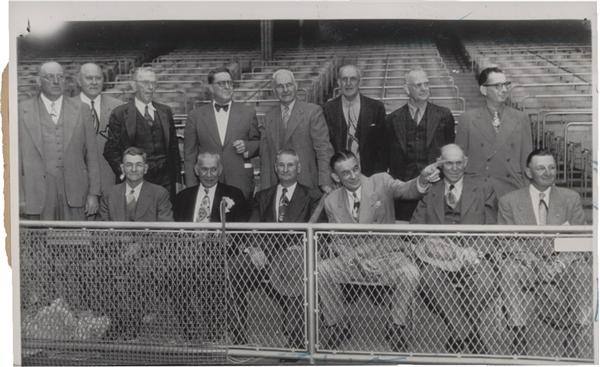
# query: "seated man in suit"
[201,204]
[368,200]
[565,279]
[457,199]
[288,201]
[356,122]
[133,200]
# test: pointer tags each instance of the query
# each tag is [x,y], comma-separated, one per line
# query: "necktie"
[131,204]
[95,118]
[352,143]
[496,122]
[53,112]
[285,116]
[204,209]
[147,116]
[218,107]
[283,204]
[416,115]
[355,206]
[543,210]
[451,198]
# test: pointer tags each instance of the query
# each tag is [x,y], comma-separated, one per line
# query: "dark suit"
[369,131]
[153,204]
[478,204]
[301,206]
[122,135]
[202,134]
[199,266]
[439,124]
[307,134]
[80,169]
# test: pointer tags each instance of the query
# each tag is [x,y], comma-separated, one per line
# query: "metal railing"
[183,293]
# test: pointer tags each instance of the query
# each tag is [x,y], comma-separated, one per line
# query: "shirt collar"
[413,107]
[535,194]
[87,100]
[290,190]
[136,190]
[355,101]
[141,106]
[291,106]
[47,102]
[211,190]
[351,193]
[458,186]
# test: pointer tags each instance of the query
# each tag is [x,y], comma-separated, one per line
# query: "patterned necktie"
[352,143]
[355,206]
[204,209]
[416,115]
[285,116]
[496,122]
[543,210]
[131,204]
[147,116]
[95,118]
[283,204]
[451,198]
[53,112]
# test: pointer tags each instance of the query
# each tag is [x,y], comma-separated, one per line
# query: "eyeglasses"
[52,77]
[224,83]
[499,85]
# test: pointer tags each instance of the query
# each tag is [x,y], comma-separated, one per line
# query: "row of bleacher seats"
[552,84]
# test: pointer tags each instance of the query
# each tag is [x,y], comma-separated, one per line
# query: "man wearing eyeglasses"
[413,135]
[296,125]
[496,137]
[148,125]
[58,162]
[355,121]
[91,82]
[224,127]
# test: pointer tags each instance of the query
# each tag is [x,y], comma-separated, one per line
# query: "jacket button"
[482,145]
[508,159]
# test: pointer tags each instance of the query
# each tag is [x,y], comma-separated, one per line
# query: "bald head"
[51,80]
[454,164]
[90,80]
[417,85]
[284,86]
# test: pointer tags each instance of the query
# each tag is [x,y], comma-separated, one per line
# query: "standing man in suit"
[356,122]
[91,82]
[148,125]
[565,278]
[134,200]
[299,126]
[496,138]
[201,204]
[225,127]
[58,162]
[456,199]
[414,134]
[368,200]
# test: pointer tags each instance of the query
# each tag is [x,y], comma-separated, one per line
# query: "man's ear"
[528,173]
[466,161]
[132,84]
[299,169]
[122,168]
[335,178]
[406,89]
[196,171]
[483,90]
[145,168]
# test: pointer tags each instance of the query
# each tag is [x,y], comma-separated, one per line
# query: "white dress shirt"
[288,194]
[290,106]
[458,187]
[222,118]
[200,195]
[535,200]
[141,107]
[412,108]
[136,190]
[354,105]
[48,105]
[88,101]
[350,195]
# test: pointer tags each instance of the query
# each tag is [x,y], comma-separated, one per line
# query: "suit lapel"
[468,196]
[210,124]
[70,117]
[525,208]
[342,123]
[399,124]
[131,120]
[270,215]
[296,116]
[233,116]
[342,206]
[554,209]
[368,198]
[31,119]
[439,201]
[431,121]
[507,125]
[295,206]
[191,204]
[214,213]
[143,202]
[105,111]
[164,122]
[485,125]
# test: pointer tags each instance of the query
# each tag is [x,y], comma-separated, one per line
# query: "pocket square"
[372,125]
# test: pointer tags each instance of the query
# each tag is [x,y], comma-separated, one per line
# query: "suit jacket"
[107,176]
[440,131]
[307,134]
[478,204]
[301,206]
[499,158]
[80,158]
[564,206]
[369,131]
[202,134]
[186,201]
[121,135]
[377,200]
[153,205]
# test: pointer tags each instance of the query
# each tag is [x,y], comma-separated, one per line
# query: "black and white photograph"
[302,183]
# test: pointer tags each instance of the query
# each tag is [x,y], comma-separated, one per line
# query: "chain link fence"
[100,296]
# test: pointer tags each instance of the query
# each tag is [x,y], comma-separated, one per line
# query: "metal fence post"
[310,276]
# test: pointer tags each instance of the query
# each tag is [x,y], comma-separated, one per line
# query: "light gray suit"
[202,134]
[153,204]
[80,159]
[307,134]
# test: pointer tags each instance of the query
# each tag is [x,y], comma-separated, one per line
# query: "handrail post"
[310,279]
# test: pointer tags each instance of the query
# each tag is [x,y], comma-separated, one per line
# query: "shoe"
[337,335]
[394,335]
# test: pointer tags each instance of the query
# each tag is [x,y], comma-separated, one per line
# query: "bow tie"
[218,107]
